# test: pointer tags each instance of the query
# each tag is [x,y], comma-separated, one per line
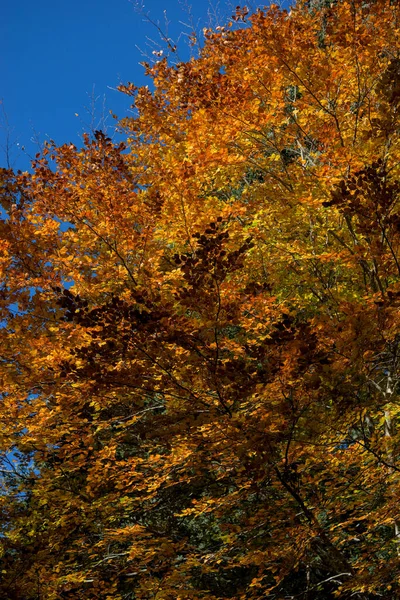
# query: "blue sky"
[58,56]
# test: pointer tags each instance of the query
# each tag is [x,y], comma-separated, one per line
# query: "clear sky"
[58,55]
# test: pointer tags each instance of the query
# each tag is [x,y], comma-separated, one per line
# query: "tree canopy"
[200,328]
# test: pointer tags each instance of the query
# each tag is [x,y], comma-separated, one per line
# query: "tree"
[200,341]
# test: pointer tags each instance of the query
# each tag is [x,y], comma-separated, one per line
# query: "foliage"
[200,328]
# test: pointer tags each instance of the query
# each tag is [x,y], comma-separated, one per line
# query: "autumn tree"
[200,339]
